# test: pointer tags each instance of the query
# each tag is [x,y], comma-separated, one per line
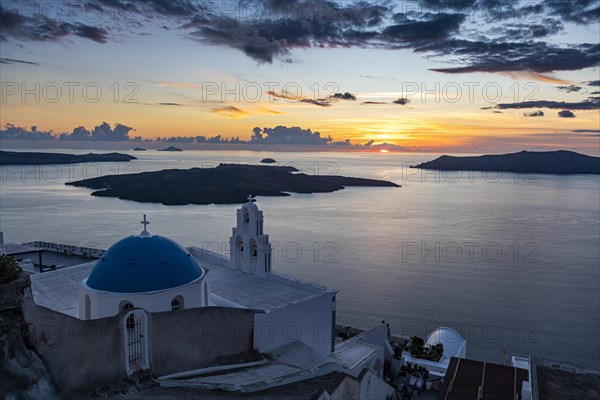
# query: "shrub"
[9,269]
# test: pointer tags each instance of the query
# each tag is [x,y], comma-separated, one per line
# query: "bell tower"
[250,250]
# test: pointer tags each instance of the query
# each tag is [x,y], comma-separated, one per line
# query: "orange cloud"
[283,95]
[230,111]
[269,111]
[535,75]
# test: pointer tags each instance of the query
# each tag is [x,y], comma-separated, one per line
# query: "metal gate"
[135,329]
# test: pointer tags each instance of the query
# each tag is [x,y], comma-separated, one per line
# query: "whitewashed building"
[454,346]
[175,310]
[154,273]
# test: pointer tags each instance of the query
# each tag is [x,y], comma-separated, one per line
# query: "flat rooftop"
[58,289]
[249,291]
[468,379]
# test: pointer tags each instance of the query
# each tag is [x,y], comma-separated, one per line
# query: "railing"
[68,249]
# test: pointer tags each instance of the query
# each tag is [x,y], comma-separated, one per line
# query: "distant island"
[268,161]
[534,162]
[225,184]
[28,158]
[170,148]
[139,149]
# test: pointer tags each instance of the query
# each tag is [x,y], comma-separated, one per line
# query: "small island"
[533,162]
[139,149]
[225,184]
[268,161]
[35,158]
[170,148]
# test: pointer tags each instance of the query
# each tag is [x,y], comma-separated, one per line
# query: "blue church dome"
[144,263]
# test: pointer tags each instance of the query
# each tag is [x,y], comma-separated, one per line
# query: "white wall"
[106,304]
[309,321]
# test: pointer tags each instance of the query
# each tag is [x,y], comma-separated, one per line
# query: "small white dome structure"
[454,346]
[453,342]
[143,271]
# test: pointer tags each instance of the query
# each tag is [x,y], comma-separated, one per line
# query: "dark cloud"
[313,23]
[448,4]
[177,8]
[38,27]
[96,34]
[570,88]
[229,110]
[10,19]
[268,31]
[577,11]
[439,27]
[484,56]
[592,103]
[159,8]
[16,61]
[102,132]
[566,114]
[282,95]
[401,101]
[317,102]
[11,131]
[538,113]
[372,102]
[587,131]
[344,96]
[525,31]
[244,37]
[593,83]
[325,102]
[288,135]
[170,104]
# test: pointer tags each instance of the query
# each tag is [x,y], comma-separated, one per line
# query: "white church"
[179,312]
[156,274]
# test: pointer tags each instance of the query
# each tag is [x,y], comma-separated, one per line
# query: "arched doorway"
[135,334]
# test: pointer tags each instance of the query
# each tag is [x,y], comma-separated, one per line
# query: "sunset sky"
[466,75]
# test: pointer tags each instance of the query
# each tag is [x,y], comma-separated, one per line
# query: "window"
[239,254]
[246,219]
[177,303]
[125,305]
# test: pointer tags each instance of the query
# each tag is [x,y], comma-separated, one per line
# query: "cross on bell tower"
[145,222]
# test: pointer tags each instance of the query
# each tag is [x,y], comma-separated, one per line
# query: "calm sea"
[510,261]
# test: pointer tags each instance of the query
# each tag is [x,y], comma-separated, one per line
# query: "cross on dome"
[145,222]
